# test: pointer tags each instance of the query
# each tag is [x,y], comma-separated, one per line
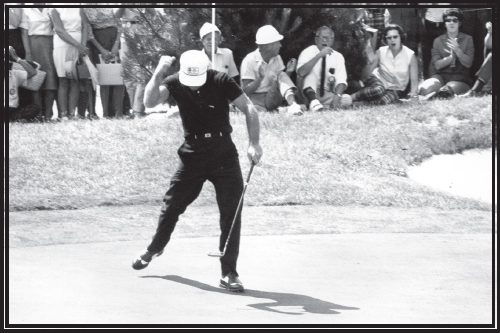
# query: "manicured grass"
[354,157]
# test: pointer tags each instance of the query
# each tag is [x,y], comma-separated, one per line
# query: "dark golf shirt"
[207,109]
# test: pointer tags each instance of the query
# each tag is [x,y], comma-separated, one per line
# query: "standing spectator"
[38,40]
[69,43]
[16,41]
[104,41]
[433,27]
[224,61]
[323,72]
[15,38]
[131,21]
[262,75]
[16,77]
[397,66]
[452,56]
[376,18]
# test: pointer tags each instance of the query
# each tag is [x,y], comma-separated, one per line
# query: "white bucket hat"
[194,65]
[267,34]
[208,28]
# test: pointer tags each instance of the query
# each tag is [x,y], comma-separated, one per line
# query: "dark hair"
[453,12]
[402,33]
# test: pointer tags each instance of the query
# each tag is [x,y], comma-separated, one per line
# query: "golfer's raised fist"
[165,63]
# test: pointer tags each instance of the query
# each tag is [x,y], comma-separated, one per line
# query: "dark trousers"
[216,160]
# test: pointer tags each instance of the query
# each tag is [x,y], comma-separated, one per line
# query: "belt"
[206,135]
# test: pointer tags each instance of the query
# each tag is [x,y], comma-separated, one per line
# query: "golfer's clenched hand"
[254,153]
[164,64]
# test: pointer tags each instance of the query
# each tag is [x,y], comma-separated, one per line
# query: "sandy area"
[469,174]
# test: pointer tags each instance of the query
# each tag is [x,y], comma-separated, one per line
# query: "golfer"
[208,153]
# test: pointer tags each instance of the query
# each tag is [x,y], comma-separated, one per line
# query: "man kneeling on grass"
[208,153]
[16,78]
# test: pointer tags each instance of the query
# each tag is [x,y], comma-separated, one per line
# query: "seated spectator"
[452,56]
[38,38]
[432,27]
[369,88]
[322,73]
[16,78]
[483,82]
[262,76]
[224,61]
[397,66]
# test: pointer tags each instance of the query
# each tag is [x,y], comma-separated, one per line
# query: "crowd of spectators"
[55,40]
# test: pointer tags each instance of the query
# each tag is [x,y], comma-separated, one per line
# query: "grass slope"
[354,157]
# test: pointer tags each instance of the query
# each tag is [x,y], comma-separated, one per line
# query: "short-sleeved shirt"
[38,23]
[205,110]
[250,69]
[335,63]
[15,79]
[224,62]
[394,72]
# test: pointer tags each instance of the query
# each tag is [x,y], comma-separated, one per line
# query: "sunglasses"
[451,20]
[392,37]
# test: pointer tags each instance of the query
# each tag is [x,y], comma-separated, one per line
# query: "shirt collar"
[218,50]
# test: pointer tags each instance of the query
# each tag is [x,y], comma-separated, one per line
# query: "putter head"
[216,254]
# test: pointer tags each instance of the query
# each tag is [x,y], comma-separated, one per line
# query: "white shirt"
[250,69]
[36,22]
[394,72]
[15,79]
[334,61]
[224,62]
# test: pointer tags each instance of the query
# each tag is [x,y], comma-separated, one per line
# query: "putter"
[221,254]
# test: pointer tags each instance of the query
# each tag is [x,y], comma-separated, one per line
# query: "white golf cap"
[208,28]
[194,65]
[267,34]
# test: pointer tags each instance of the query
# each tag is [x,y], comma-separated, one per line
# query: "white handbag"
[110,74]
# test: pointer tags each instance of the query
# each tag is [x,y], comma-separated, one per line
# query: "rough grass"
[354,157]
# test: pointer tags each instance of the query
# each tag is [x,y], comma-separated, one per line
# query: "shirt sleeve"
[230,88]
[24,20]
[340,71]
[247,71]
[436,50]
[468,50]
[232,70]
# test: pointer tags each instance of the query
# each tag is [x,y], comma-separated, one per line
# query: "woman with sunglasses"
[397,66]
[452,57]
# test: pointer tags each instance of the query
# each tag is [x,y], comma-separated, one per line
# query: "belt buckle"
[208,135]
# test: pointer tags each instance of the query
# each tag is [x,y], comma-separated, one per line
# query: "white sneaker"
[426,97]
[315,105]
[295,109]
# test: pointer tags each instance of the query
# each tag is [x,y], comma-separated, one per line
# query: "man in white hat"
[224,60]
[208,153]
[262,76]
[322,73]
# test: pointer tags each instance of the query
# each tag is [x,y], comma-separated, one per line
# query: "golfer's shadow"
[309,304]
